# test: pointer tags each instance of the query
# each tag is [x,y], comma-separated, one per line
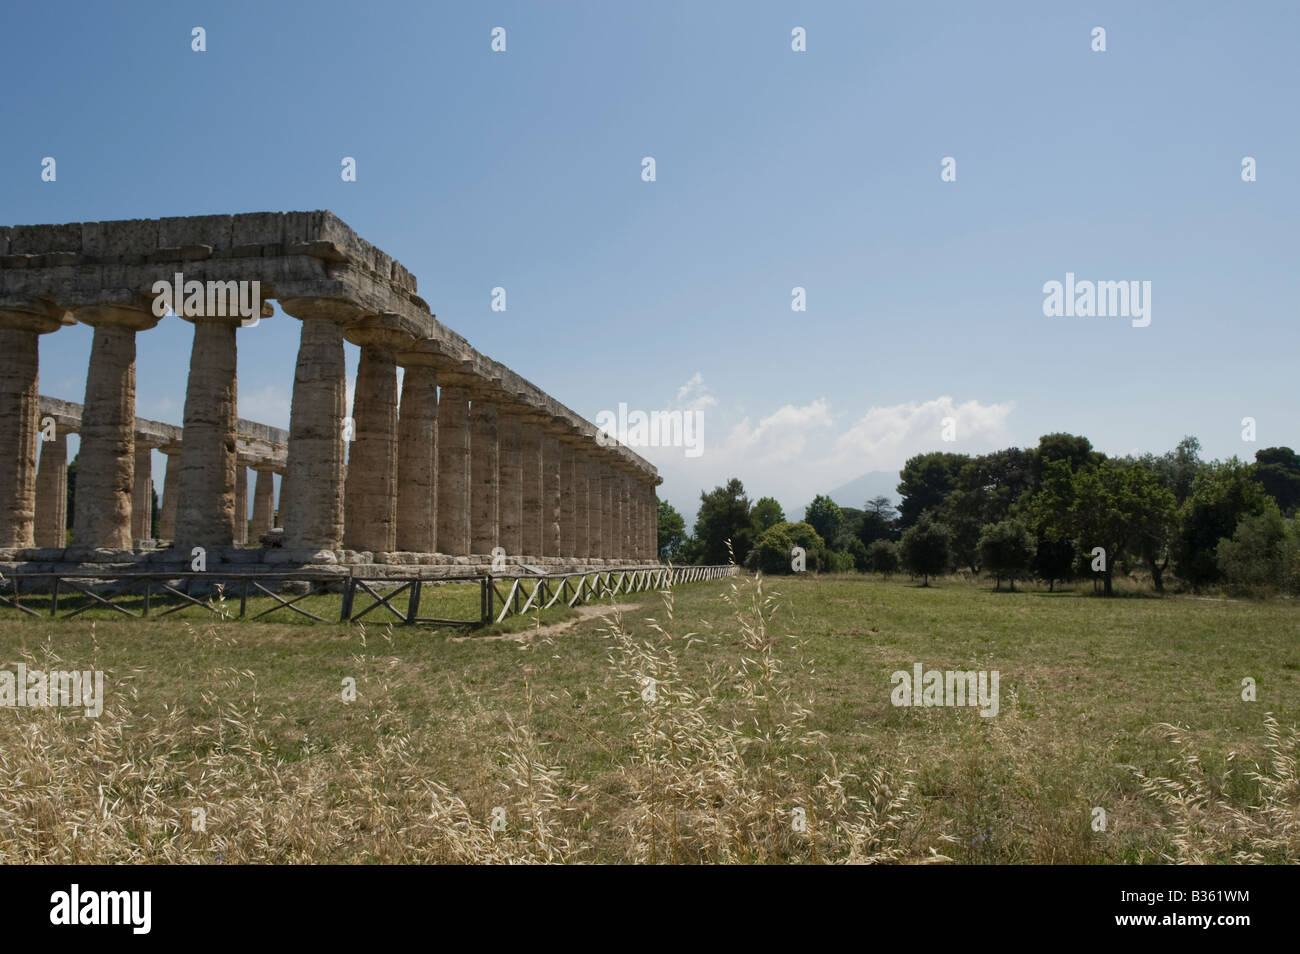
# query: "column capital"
[338,310]
[133,317]
[40,316]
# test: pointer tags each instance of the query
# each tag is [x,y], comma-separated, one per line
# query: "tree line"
[1057,512]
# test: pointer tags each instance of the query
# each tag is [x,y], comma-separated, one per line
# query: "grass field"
[768,733]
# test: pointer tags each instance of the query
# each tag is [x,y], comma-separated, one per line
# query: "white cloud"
[797,451]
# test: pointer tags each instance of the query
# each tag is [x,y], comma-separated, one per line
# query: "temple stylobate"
[468,461]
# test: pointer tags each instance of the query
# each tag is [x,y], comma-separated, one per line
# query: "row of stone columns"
[466,467]
[461,470]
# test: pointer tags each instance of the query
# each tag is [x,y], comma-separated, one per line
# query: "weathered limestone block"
[485,527]
[142,494]
[417,461]
[453,470]
[52,493]
[370,508]
[171,491]
[510,479]
[205,510]
[106,460]
[263,504]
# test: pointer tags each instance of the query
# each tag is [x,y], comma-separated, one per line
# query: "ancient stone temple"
[468,462]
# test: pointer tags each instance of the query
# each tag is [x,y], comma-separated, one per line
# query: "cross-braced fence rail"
[254,596]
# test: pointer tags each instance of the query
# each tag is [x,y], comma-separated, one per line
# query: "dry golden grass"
[653,741]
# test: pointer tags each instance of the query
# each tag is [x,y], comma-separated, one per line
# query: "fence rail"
[137,595]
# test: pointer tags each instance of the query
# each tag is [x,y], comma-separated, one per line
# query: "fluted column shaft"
[52,493]
[417,461]
[510,478]
[142,494]
[453,471]
[484,467]
[263,504]
[19,411]
[531,468]
[370,508]
[239,527]
[581,504]
[205,511]
[106,460]
[595,510]
[311,493]
[568,502]
[550,495]
[171,491]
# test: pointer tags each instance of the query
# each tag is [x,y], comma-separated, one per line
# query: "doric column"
[19,411]
[205,510]
[453,468]
[595,509]
[106,460]
[239,526]
[652,531]
[171,491]
[531,470]
[52,492]
[607,511]
[370,507]
[485,533]
[142,494]
[581,502]
[311,493]
[624,516]
[551,494]
[417,458]
[510,479]
[281,503]
[263,504]
[568,499]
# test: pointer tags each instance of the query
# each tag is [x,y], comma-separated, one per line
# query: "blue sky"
[775,169]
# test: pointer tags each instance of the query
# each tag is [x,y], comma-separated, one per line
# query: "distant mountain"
[876,483]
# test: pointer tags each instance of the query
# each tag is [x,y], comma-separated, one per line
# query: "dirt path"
[584,613]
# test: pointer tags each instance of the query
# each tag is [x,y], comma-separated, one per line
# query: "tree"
[672,532]
[1100,514]
[925,481]
[1074,450]
[771,553]
[766,513]
[1223,493]
[1260,551]
[925,548]
[882,556]
[877,521]
[824,516]
[1277,470]
[858,553]
[1153,519]
[1007,549]
[724,516]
